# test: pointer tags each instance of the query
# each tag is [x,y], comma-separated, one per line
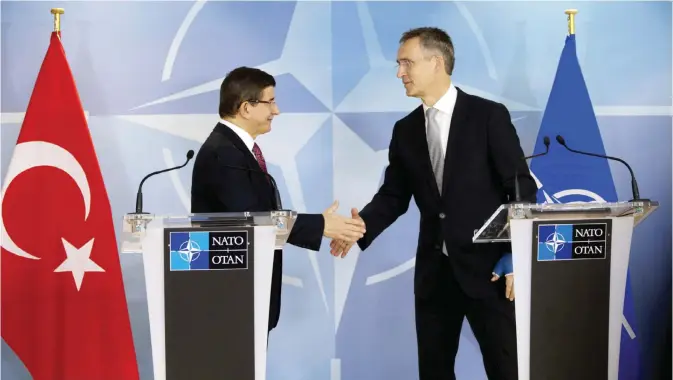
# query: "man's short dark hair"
[243,84]
[434,39]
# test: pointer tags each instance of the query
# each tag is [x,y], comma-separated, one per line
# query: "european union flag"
[565,177]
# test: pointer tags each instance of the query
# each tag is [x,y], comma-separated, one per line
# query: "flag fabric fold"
[565,177]
[64,311]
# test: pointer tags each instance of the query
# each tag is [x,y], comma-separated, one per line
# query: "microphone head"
[546,141]
[190,154]
[560,139]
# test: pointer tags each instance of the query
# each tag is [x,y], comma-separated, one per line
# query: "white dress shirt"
[445,106]
[245,136]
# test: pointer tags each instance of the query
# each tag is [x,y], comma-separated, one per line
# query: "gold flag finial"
[57,12]
[571,20]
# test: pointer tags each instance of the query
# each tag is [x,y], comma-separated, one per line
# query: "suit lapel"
[263,187]
[238,143]
[458,123]
[420,141]
[260,179]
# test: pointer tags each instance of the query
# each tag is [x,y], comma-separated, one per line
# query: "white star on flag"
[78,261]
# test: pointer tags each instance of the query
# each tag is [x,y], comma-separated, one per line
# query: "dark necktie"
[260,158]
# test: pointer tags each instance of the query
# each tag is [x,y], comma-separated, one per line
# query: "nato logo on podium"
[576,241]
[208,250]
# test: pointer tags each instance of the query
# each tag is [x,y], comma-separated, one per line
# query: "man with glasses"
[230,172]
[457,155]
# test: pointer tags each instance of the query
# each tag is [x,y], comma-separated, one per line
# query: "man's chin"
[412,94]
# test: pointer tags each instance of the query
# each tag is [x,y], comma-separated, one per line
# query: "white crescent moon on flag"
[34,154]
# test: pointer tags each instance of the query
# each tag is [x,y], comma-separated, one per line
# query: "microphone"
[517,191]
[279,204]
[634,184]
[139,196]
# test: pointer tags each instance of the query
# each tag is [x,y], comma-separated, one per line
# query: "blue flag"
[565,177]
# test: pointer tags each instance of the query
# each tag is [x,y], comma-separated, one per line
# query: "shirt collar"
[245,136]
[446,103]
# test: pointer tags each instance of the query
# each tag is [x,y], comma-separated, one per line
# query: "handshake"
[343,231]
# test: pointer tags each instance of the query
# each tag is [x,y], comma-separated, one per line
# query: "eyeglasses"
[262,101]
[407,63]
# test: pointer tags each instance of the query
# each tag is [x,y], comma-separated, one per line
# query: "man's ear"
[439,63]
[244,110]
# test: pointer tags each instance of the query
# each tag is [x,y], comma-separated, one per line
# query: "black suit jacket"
[482,153]
[218,188]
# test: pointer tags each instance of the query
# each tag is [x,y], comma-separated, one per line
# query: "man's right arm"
[237,192]
[392,199]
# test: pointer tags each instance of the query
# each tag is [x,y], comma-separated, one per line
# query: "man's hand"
[504,267]
[340,248]
[509,285]
[341,228]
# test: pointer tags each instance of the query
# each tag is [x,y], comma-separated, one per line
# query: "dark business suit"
[218,188]
[482,153]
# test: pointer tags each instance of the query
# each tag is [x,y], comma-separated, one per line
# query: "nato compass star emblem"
[555,242]
[189,251]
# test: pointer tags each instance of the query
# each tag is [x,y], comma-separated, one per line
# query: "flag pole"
[571,20]
[57,12]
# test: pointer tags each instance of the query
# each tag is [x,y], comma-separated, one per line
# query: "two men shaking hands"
[456,154]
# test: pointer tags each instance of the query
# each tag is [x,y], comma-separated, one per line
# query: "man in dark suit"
[229,170]
[457,155]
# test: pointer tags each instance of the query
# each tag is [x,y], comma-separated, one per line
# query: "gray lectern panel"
[570,299]
[209,303]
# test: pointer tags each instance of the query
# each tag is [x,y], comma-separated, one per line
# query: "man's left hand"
[504,267]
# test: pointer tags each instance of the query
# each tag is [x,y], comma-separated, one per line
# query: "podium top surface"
[246,218]
[496,228]
[136,226]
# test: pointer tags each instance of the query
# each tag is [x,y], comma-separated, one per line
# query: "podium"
[208,283]
[570,264]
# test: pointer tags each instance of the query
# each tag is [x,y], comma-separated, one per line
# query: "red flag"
[63,305]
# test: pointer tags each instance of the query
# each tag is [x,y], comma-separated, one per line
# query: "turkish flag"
[63,305]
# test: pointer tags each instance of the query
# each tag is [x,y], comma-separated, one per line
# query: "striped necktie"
[260,158]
